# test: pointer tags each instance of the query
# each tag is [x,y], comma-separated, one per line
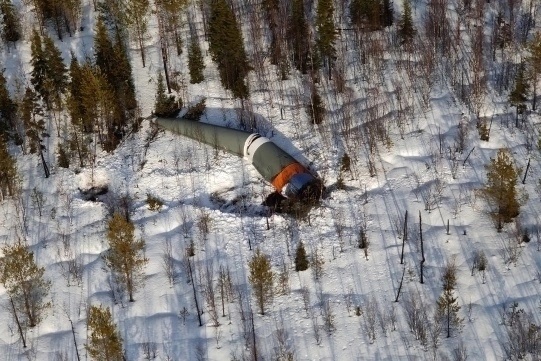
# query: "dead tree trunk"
[75,341]
[45,166]
[404,237]
[400,285]
[422,247]
[192,280]
[19,327]
[526,172]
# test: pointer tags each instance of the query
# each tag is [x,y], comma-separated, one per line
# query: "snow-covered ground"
[194,181]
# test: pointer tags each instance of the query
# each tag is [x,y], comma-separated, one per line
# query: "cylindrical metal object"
[276,166]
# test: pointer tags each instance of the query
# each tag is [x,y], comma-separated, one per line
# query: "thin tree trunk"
[526,172]
[45,166]
[18,322]
[129,285]
[448,321]
[140,40]
[464,163]
[28,309]
[400,285]
[404,237]
[422,247]
[75,341]
[190,273]
[534,102]
[253,335]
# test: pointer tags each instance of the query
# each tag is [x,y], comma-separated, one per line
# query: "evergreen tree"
[98,103]
[367,14]
[261,277]
[34,125]
[326,32]
[63,159]
[114,65]
[298,37]
[114,14]
[49,73]
[8,108]
[534,64]
[194,112]
[301,260]
[62,15]
[271,8]
[88,104]
[31,115]
[105,342]
[8,171]
[170,11]
[500,190]
[137,18]
[345,163]
[71,10]
[25,283]
[227,48]
[345,166]
[519,94]
[125,256]
[75,97]
[165,105]
[388,13]
[38,61]
[195,62]
[316,109]
[56,73]
[406,29]
[447,306]
[11,25]
[447,311]
[104,51]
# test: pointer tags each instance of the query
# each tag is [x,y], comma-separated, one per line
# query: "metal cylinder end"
[303,187]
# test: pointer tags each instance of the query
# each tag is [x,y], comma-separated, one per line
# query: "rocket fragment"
[284,172]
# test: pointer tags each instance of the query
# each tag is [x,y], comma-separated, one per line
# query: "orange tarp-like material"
[282,178]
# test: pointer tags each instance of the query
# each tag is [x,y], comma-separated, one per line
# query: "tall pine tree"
[56,74]
[49,73]
[227,48]
[298,36]
[534,64]
[195,62]
[137,12]
[8,109]
[367,15]
[38,75]
[500,190]
[11,25]
[165,105]
[326,32]
[8,171]
[113,63]
[519,94]
[406,29]
[75,100]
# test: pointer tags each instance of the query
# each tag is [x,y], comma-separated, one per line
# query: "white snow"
[194,180]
